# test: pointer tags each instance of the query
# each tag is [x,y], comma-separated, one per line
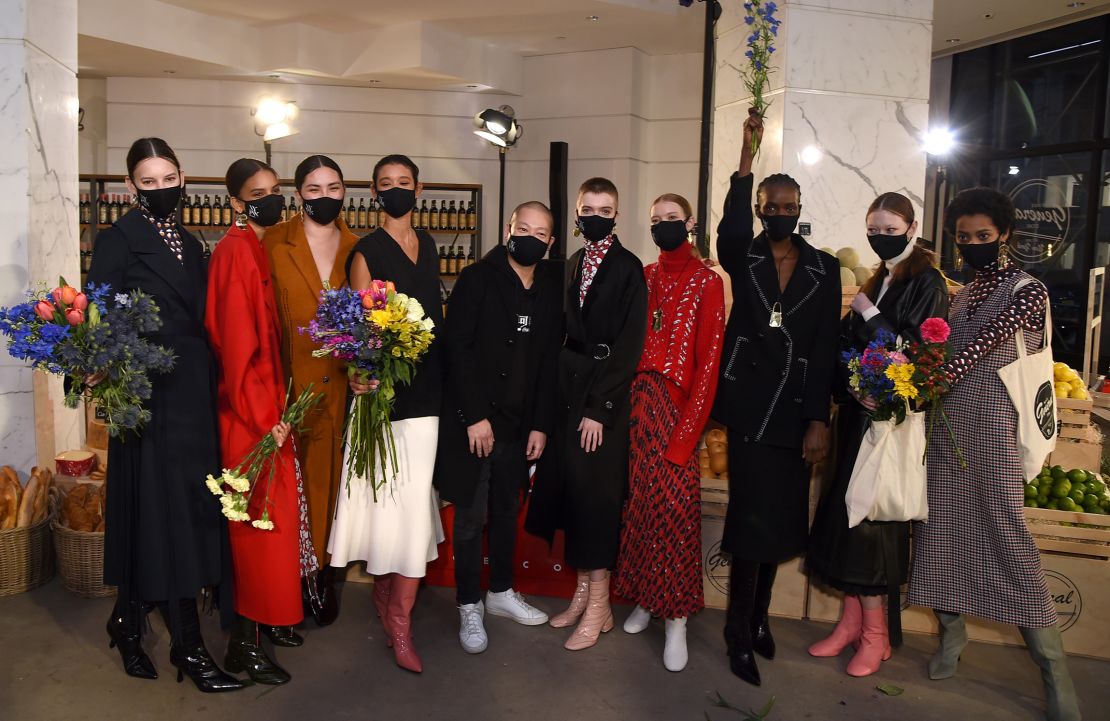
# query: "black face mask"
[265,211]
[159,203]
[397,201]
[595,227]
[779,227]
[323,210]
[979,255]
[888,246]
[669,234]
[527,250]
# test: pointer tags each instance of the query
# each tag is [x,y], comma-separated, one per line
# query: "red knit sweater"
[686,350]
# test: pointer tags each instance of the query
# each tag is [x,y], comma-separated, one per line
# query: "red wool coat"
[243,330]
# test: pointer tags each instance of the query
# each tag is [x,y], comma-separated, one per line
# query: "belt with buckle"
[597,351]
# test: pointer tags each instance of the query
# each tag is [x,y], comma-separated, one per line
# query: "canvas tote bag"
[888,481]
[1029,381]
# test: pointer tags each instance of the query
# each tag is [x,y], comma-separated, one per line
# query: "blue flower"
[758,65]
[770,49]
[749,19]
[749,54]
[748,7]
[771,7]
[752,38]
[775,30]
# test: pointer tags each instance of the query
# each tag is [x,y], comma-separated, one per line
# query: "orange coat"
[297,289]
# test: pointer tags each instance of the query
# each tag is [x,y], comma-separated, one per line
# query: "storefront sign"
[1043,221]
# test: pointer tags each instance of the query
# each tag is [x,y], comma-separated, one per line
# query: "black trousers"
[496,499]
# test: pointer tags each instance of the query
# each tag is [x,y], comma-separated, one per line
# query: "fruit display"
[848,257]
[713,458]
[862,274]
[1068,383]
[1075,490]
[847,277]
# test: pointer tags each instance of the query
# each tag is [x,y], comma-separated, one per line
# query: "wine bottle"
[83,211]
[225,216]
[352,214]
[442,260]
[187,211]
[102,209]
[433,217]
[381,215]
[206,212]
[113,209]
[470,257]
[292,205]
[360,214]
[423,213]
[453,217]
[443,216]
[372,214]
[471,217]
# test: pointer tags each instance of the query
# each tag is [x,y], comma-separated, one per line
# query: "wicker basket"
[81,561]
[26,556]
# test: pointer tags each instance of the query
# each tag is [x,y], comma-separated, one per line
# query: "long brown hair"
[920,259]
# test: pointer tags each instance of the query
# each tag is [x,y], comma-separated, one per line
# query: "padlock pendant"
[657,320]
[776,316]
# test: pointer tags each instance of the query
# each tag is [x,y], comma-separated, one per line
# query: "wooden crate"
[1075,417]
[1076,562]
[1085,452]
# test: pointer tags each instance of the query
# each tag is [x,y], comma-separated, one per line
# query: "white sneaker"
[638,620]
[472,633]
[674,651]
[511,604]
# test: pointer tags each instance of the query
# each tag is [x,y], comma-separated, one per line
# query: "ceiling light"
[988,16]
[939,141]
[811,154]
[560,37]
[1014,170]
[593,18]
[952,41]
[1060,50]
[1076,5]
[171,72]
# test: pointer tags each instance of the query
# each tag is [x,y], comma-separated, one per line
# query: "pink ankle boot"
[847,630]
[874,647]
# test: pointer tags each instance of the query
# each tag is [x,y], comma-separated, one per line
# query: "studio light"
[499,127]
[1014,170]
[272,121]
[938,141]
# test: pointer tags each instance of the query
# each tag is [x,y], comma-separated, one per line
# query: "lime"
[1032,503]
[1077,476]
[1082,486]
[1067,504]
[1061,488]
[1053,505]
[1077,495]
[1093,508]
[1030,491]
[1090,500]
[1058,473]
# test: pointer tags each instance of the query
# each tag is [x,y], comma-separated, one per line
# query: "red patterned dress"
[659,566]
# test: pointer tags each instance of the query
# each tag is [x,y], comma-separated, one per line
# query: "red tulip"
[81,302]
[390,287]
[69,294]
[44,310]
[75,316]
[367,301]
[56,294]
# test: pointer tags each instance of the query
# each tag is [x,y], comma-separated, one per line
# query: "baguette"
[27,504]
[10,496]
[42,500]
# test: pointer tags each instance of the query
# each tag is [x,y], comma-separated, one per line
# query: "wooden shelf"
[192,228]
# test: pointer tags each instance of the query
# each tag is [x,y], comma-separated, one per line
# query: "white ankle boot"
[674,651]
[638,620]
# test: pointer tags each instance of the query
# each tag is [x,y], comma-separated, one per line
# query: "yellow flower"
[902,375]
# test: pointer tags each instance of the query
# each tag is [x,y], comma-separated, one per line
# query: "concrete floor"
[55,664]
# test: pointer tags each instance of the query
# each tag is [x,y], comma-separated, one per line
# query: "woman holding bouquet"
[659,566]
[306,253]
[397,529]
[165,538]
[975,555]
[872,559]
[273,554]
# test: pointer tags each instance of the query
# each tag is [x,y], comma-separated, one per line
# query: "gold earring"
[241,221]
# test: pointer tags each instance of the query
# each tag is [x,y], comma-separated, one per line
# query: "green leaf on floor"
[748,714]
[890,689]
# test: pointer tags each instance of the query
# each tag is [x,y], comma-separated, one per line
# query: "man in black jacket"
[502,336]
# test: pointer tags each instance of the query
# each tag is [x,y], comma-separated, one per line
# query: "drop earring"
[241,221]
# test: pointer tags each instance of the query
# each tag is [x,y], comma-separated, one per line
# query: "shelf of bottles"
[451,212]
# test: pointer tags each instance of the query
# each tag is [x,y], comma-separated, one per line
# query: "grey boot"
[1047,649]
[953,639]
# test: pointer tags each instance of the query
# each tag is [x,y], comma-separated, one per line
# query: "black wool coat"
[165,537]
[479,337]
[581,492]
[774,381]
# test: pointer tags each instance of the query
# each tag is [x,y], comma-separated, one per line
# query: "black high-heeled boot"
[190,656]
[125,631]
[319,598]
[245,653]
[283,636]
[762,640]
[738,621]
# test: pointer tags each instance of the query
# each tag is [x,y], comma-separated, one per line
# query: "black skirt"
[768,508]
[873,557]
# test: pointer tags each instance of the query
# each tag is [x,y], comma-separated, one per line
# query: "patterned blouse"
[595,253]
[167,229]
[1026,311]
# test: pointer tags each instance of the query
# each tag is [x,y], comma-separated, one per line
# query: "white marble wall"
[38,181]
[852,80]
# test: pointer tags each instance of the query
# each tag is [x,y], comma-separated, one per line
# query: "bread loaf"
[42,501]
[82,509]
[27,504]
[11,493]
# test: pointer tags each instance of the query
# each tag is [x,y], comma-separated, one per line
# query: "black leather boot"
[319,597]
[125,631]
[283,636]
[762,641]
[245,653]
[738,623]
[190,656]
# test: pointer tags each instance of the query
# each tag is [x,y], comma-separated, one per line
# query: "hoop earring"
[241,221]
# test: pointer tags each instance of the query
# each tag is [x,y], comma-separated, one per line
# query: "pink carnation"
[935,330]
[898,358]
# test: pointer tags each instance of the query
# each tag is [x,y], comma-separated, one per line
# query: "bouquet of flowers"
[381,335]
[92,333]
[235,487]
[760,18]
[898,375]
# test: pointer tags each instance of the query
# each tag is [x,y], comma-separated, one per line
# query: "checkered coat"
[975,554]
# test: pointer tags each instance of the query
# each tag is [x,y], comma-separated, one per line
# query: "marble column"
[38,212]
[850,97]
